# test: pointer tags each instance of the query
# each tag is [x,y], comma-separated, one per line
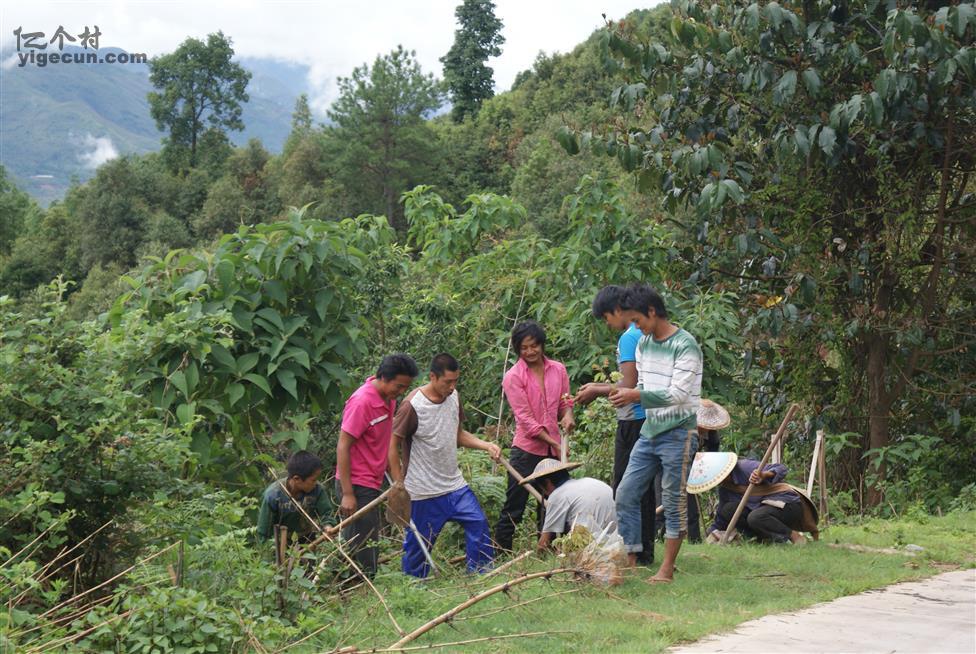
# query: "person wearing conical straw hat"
[775,512]
[585,501]
[712,416]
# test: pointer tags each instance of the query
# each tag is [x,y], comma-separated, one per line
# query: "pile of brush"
[600,559]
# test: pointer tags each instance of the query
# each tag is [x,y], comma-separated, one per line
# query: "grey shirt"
[586,501]
[430,430]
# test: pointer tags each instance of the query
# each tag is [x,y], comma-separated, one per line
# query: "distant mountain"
[61,121]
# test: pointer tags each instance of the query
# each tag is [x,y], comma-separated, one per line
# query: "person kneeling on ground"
[428,427]
[775,511]
[586,501]
[281,500]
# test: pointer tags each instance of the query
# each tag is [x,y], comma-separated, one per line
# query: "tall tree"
[15,208]
[825,160]
[197,87]
[379,143]
[467,76]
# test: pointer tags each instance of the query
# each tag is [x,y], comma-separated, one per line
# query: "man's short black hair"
[608,300]
[526,329]
[303,464]
[397,364]
[443,362]
[642,298]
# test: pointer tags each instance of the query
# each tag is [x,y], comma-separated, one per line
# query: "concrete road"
[935,615]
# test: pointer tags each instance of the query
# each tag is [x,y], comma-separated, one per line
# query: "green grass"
[715,589]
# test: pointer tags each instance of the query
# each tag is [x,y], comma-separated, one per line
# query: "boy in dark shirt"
[278,506]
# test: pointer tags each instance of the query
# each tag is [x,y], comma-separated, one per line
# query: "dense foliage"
[822,160]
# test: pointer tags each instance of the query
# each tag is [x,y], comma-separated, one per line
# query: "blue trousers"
[670,453]
[432,514]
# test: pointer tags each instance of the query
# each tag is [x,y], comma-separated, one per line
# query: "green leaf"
[235,392]
[567,139]
[734,190]
[276,291]
[260,382]
[322,300]
[272,316]
[185,412]
[827,140]
[225,274]
[965,16]
[192,377]
[802,140]
[287,379]
[223,356]
[247,361]
[194,280]
[178,379]
[299,355]
[812,81]
[785,87]
[876,108]
[242,317]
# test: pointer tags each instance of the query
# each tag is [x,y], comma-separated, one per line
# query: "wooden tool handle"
[730,530]
[329,532]
[512,471]
[363,511]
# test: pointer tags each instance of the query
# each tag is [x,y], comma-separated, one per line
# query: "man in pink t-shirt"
[361,455]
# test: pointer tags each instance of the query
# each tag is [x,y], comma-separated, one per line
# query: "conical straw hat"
[547,467]
[712,415]
[709,469]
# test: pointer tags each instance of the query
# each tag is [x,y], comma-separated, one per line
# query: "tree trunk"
[879,405]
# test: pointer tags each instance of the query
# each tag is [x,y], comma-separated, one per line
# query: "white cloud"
[99,150]
[331,37]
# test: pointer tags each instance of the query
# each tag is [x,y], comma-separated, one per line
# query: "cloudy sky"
[331,36]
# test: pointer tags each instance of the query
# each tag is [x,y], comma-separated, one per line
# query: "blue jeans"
[430,516]
[671,454]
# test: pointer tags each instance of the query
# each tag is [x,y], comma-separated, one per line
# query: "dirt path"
[932,615]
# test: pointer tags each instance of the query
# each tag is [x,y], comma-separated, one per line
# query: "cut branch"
[445,617]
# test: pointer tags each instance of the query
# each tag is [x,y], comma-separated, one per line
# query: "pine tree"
[468,78]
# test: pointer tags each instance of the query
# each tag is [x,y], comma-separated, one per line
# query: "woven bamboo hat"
[712,415]
[547,467]
[709,469]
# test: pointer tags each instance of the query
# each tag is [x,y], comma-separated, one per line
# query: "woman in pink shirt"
[537,389]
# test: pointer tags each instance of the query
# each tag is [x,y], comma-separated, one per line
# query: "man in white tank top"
[427,427]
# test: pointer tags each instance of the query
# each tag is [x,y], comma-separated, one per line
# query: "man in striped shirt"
[669,375]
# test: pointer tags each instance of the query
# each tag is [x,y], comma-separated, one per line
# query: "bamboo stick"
[74,598]
[822,465]
[730,531]
[814,462]
[444,617]
[477,616]
[508,564]
[345,522]
[470,641]
[348,558]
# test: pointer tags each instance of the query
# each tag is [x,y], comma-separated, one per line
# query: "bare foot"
[658,579]
[797,538]
[663,576]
